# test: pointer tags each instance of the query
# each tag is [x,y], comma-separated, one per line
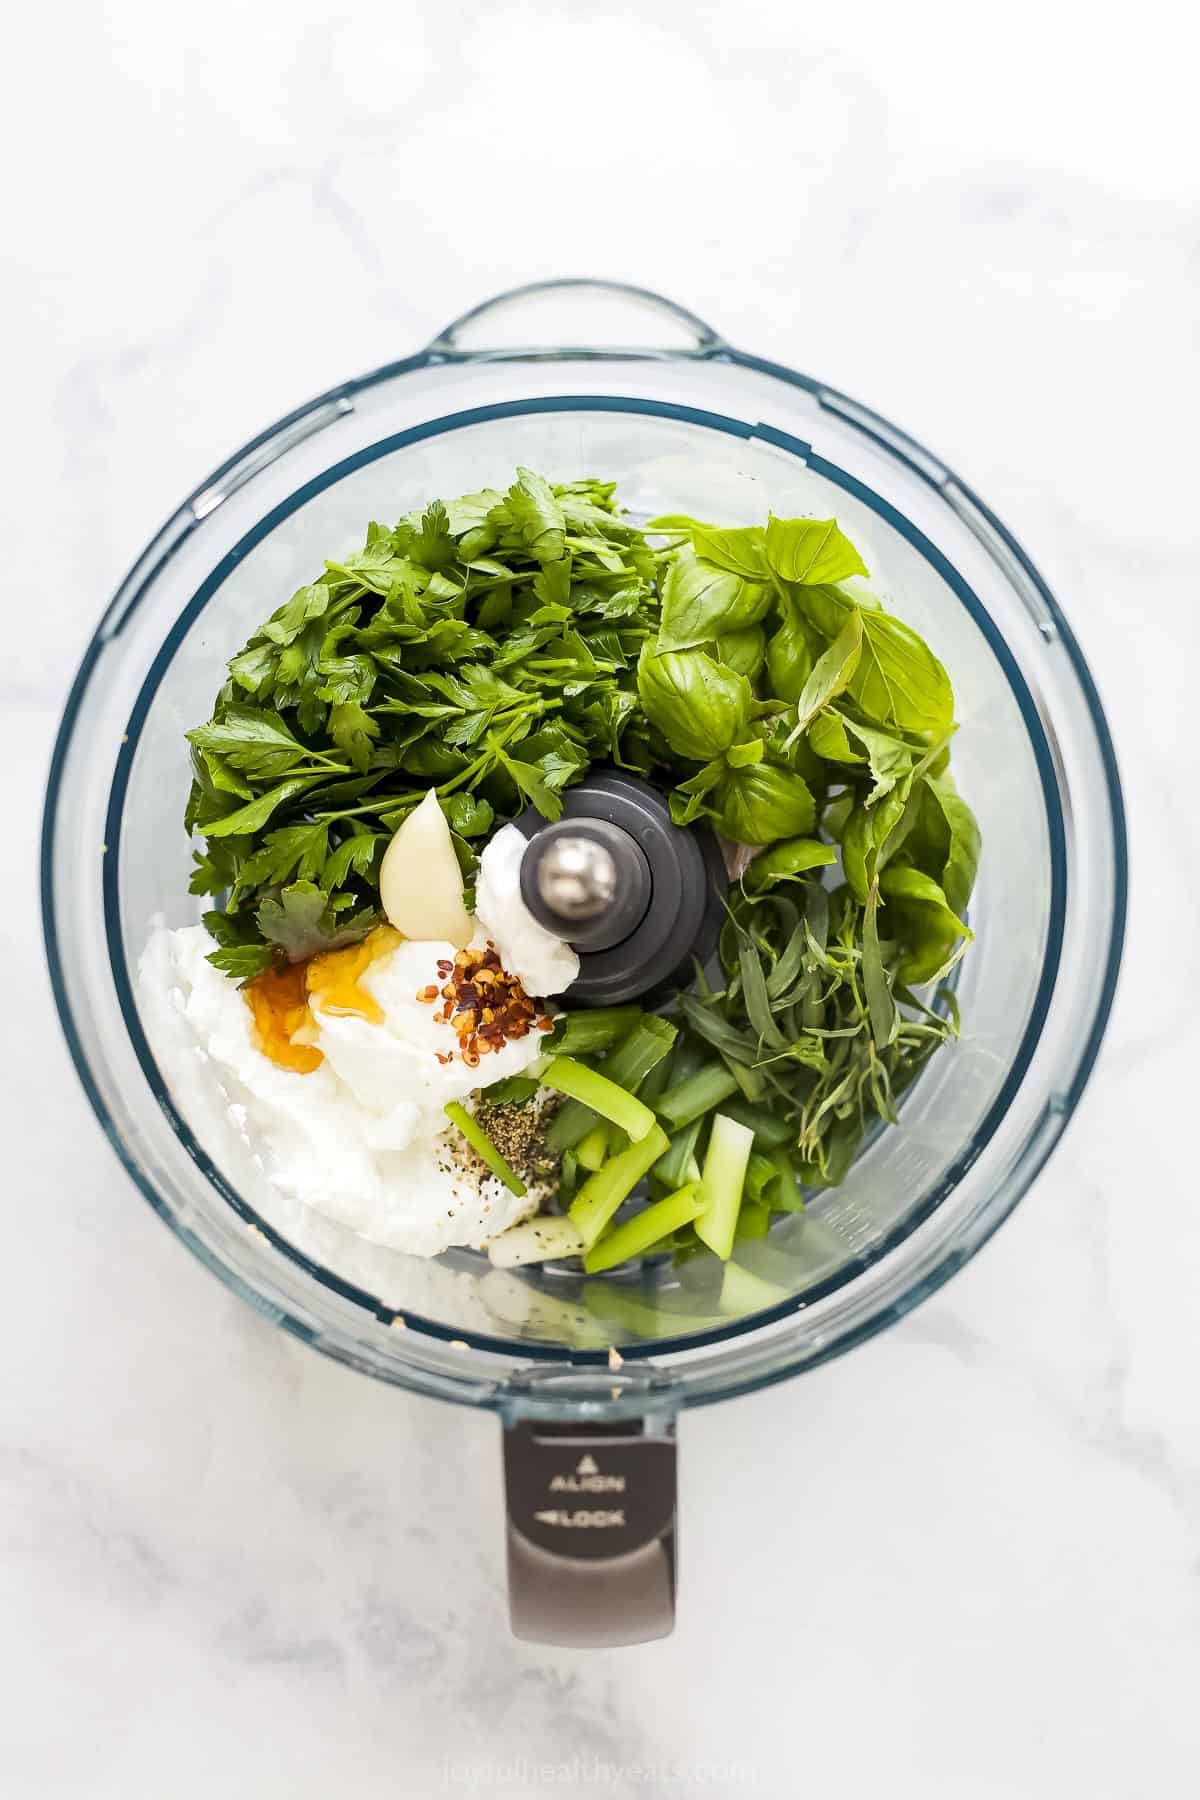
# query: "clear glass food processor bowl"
[655,399]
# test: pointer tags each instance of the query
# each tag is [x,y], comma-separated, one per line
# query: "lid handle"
[459,337]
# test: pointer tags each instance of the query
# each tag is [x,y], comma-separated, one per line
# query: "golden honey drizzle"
[281,999]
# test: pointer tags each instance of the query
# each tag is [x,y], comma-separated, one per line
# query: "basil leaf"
[890,759]
[743,651]
[831,672]
[744,756]
[698,706]
[797,755]
[871,835]
[828,737]
[791,653]
[898,681]
[700,603]
[786,861]
[826,608]
[762,803]
[928,927]
[688,802]
[857,845]
[672,522]
[836,815]
[741,551]
[810,550]
[962,855]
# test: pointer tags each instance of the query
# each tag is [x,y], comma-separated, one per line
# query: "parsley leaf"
[530,507]
[301,921]
[241,962]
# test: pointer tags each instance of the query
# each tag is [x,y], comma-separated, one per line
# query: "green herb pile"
[497,646]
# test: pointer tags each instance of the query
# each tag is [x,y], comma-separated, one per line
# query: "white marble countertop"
[962,1560]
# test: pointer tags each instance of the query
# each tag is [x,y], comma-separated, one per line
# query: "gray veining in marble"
[961,1561]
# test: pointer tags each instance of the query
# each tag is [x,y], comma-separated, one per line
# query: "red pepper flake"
[486,1006]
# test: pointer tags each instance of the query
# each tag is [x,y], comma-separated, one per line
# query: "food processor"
[589,1374]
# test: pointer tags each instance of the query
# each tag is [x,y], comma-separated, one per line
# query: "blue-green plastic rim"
[663,1346]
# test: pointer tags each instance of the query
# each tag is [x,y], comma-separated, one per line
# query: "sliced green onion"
[753,1220]
[697,1095]
[641,1049]
[742,1292]
[649,1091]
[787,1196]
[761,1178]
[769,1130]
[512,1090]
[615,1140]
[483,1147]
[591,1151]
[654,1085]
[602,1193]
[604,1097]
[535,1240]
[615,1304]
[640,1052]
[588,1033]
[638,1235]
[681,1153]
[729,1147]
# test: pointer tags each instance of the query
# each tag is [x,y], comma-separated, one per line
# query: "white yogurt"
[363,1138]
[542,962]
